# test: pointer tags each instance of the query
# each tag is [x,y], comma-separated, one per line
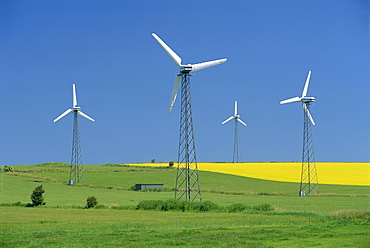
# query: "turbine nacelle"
[186,68]
[308,99]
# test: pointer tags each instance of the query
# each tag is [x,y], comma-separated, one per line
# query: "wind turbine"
[76,173]
[309,180]
[237,154]
[187,181]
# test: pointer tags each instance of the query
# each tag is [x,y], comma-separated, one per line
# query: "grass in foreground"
[45,227]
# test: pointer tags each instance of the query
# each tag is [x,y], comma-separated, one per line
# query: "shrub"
[8,168]
[149,205]
[176,205]
[171,163]
[237,208]
[36,197]
[205,206]
[196,206]
[171,204]
[263,207]
[91,202]
[133,188]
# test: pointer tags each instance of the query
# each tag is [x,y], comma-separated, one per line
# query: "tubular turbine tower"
[309,181]
[237,156]
[76,173]
[187,180]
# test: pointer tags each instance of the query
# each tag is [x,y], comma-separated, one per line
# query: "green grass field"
[43,227]
[295,222]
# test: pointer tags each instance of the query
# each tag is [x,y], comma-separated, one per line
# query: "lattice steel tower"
[187,180]
[76,173]
[237,155]
[309,181]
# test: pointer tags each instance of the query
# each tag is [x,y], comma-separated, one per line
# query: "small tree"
[171,163]
[36,197]
[8,168]
[91,202]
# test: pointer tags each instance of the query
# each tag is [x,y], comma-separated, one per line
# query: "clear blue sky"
[124,78]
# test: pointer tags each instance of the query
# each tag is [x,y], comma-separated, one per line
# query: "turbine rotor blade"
[200,66]
[236,108]
[85,115]
[294,99]
[175,89]
[305,89]
[74,96]
[308,113]
[62,115]
[168,50]
[228,119]
[242,122]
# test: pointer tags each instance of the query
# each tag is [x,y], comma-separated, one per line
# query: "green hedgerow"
[176,205]
[237,208]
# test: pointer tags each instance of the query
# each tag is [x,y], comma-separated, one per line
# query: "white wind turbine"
[309,181]
[236,117]
[306,100]
[76,174]
[74,107]
[184,69]
[187,181]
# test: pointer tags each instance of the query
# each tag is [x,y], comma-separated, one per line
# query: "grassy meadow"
[337,217]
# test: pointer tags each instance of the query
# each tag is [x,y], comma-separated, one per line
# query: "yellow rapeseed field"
[328,172]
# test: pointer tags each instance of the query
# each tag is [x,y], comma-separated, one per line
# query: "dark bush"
[263,207]
[169,205]
[36,197]
[91,202]
[237,208]
[149,205]
[133,188]
[205,206]
[196,206]
[8,168]
[176,205]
